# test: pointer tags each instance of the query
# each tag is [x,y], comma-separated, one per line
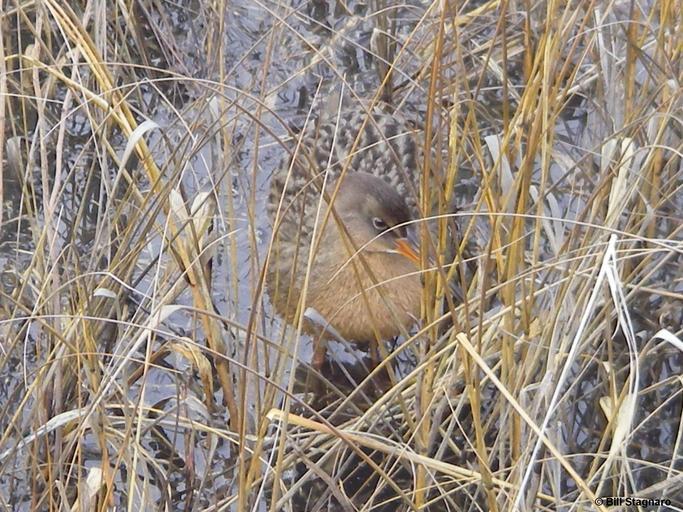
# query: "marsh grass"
[141,366]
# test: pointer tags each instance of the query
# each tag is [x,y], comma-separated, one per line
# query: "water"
[279,62]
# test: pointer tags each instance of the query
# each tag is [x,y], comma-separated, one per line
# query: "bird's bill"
[408,248]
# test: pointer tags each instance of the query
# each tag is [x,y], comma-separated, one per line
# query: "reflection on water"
[339,381]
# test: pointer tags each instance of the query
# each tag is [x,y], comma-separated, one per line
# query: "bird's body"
[353,261]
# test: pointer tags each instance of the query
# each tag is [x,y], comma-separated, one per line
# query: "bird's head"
[375,216]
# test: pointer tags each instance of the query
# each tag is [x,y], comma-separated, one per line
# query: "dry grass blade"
[145,361]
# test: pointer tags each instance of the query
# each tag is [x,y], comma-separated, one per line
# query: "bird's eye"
[379,224]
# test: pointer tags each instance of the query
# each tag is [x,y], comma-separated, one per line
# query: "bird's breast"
[378,300]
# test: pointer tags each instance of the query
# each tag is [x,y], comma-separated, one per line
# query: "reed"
[141,364]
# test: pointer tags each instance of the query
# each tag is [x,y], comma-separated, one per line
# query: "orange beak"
[408,248]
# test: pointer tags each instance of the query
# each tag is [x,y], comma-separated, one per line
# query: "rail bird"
[344,254]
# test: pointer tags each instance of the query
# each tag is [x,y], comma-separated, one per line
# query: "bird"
[344,246]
